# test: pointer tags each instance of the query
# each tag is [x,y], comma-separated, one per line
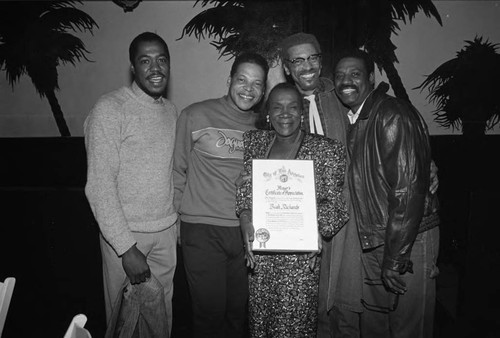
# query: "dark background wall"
[49,239]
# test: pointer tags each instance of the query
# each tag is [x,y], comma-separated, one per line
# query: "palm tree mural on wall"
[465,89]
[240,25]
[370,24]
[34,41]
[258,25]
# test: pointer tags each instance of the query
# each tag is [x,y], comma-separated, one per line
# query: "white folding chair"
[6,289]
[76,328]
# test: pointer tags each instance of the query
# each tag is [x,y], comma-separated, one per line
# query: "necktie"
[314,119]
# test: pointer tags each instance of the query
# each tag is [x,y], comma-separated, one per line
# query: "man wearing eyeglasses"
[340,275]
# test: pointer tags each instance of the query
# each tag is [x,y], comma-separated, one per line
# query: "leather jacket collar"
[381,89]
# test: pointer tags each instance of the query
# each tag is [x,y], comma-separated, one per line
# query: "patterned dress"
[283,290]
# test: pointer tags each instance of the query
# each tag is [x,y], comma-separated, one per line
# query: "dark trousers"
[338,323]
[410,315]
[214,261]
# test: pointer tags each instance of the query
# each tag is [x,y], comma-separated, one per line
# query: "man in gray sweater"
[129,138]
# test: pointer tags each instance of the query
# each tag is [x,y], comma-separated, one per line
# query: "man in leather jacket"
[396,215]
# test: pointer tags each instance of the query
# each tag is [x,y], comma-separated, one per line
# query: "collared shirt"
[353,117]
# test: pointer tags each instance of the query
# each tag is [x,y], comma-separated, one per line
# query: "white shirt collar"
[353,117]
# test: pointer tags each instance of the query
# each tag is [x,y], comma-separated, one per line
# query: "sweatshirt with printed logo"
[208,158]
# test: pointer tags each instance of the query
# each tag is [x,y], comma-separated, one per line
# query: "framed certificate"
[284,205]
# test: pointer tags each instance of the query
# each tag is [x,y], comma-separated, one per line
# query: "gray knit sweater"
[129,138]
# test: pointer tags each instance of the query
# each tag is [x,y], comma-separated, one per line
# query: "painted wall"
[198,73]
[424,45]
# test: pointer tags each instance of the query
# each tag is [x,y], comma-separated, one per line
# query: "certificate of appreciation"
[284,205]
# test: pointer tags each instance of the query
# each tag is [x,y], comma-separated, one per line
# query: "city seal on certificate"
[262,236]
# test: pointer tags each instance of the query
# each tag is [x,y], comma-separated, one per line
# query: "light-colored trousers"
[160,251]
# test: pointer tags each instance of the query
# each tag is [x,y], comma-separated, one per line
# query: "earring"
[301,121]
[268,122]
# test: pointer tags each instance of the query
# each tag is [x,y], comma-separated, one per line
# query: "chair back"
[6,290]
[76,328]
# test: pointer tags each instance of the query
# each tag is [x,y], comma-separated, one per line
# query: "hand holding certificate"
[284,205]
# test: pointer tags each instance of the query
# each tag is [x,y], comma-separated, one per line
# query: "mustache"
[313,69]
[342,87]
[155,74]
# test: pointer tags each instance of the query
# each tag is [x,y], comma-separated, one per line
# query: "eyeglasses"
[314,59]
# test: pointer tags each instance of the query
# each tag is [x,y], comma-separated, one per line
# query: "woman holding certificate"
[284,282]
